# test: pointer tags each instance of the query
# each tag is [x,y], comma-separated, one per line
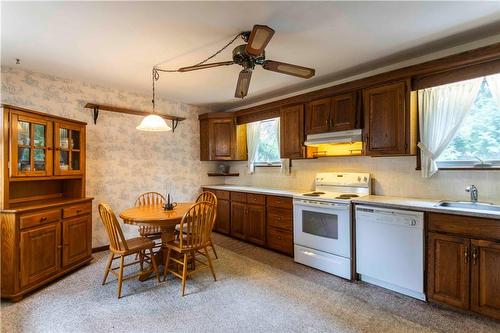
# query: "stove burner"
[313,194]
[347,196]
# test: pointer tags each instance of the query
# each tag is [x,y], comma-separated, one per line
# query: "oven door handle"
[320,204]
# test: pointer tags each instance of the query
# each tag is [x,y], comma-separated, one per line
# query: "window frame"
[273,164]
[474,164]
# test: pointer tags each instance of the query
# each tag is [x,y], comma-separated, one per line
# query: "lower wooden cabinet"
[238,213]
[255,224]
[77,240]
[485,283]
[265,220]
[223,219]
[40,250]
[38,245]
[462,270]
[448,269]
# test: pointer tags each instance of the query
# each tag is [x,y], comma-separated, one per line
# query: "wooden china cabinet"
[46,220]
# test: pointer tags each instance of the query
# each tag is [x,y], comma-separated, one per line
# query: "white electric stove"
[322,221]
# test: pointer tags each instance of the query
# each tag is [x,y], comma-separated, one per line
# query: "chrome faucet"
[473,193]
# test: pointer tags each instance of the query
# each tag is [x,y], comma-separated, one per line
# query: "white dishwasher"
[390,249]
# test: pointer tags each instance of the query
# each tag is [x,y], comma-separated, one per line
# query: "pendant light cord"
[157,69]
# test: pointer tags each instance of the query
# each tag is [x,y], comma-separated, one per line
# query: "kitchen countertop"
[427,205]
[252,189]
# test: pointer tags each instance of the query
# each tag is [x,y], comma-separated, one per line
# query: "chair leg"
[120,277]
[213,248]
[184,273]
[153,262]
[108,266]
[210,263]
[165,265]
[141,259]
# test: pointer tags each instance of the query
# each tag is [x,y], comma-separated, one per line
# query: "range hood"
[333,137]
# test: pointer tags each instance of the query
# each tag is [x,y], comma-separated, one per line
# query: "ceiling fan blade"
[259,37]
[243,83]
[204,66]
[284,68]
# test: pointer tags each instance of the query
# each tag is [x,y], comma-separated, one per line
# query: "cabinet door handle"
[474,255]
[78,211]
[43,219]
[59,246]
[466,255]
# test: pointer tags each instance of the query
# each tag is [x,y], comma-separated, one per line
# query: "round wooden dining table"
[156,216]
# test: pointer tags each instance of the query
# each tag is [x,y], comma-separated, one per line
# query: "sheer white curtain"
[253,138]
[494,85]
[285,162]
[441,111]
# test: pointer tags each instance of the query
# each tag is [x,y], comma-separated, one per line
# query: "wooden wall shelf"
[218,174]
[100,107]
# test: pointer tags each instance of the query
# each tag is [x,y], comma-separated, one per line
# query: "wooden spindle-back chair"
[150,199]
[120,247]
[198,223]
[208,197]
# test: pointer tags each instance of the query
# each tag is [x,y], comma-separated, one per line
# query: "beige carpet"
[257,291]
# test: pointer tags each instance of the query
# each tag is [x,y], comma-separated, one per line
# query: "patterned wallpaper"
[122,162]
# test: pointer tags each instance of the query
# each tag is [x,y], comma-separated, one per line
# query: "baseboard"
[100,248]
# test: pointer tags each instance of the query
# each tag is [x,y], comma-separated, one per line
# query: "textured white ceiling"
[117,43]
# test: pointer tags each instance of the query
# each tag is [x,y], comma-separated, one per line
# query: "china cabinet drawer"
[76,210]
[35,219]
[279,218]
[280,240]
[280,202]
[256,199]
[238,197]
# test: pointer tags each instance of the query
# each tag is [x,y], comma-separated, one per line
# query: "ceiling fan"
[250,54]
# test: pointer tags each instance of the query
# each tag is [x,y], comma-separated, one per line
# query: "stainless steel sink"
[469,205]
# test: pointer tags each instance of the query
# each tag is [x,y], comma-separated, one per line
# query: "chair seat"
[176,246]
[137,243]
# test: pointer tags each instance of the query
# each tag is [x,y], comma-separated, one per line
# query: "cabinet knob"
[78,211]
[43,219]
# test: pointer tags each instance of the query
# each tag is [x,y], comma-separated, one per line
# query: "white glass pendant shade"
[153,123]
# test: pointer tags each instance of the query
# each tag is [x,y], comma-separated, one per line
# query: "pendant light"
[153,122]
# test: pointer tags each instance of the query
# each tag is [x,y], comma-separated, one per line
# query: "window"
[266,138]
[477,141]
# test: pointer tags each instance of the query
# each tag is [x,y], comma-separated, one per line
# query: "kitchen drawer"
[38,218]
[256,199]
[238,197]
[220,194]
[75,210]
[280,240]
[280,202]
[280,218]
[474,227]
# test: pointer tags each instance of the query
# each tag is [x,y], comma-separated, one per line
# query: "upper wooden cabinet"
[34,140]
[31,145]
[337,113]
[70,148]
[221,139]
[390,128]
[292,131]
[318,116]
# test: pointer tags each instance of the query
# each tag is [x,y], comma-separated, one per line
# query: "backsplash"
[122,162]
[394,176]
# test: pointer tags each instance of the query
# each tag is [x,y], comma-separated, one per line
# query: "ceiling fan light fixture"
[153,123]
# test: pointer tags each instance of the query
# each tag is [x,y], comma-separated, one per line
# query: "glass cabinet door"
[69,149]
[31,146]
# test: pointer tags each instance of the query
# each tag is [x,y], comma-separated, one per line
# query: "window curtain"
[441,111]
[285,162]
[253,138]
[494,85]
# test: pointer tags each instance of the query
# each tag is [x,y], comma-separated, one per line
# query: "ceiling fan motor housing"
[241,57]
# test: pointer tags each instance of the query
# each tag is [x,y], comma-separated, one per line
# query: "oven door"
[322,226]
